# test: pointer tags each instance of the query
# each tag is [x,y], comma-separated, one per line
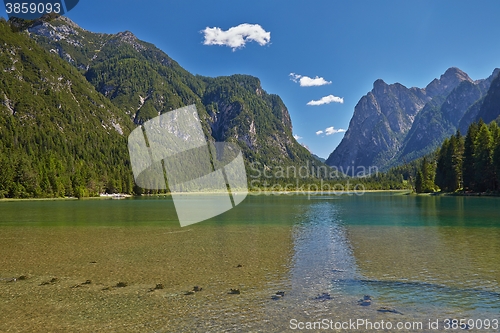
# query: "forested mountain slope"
[70,97]
[58,135]
[144,82]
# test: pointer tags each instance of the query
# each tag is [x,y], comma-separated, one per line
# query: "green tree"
[419,182]
[449,164]
[495,132]
[496,163]
[457,142]
[495,135]
[483,160]
[468,173]
[425,177]
[443,166]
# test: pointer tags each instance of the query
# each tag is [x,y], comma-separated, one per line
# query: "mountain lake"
[274,263]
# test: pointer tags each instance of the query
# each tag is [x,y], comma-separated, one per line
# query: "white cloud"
[297,137]
[236,37]
[306,81]
[331,130]
[327,100]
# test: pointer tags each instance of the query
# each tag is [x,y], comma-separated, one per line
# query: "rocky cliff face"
[377,128]
[446,83]
[393,124]
[239,110]
[438,120]
[490,108]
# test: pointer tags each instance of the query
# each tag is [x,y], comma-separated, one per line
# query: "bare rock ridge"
[393,124]
[447,82]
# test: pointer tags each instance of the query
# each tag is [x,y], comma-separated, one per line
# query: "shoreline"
[254,193]
[100,197]
[466,194]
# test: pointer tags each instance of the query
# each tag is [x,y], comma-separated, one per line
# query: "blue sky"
[349,44]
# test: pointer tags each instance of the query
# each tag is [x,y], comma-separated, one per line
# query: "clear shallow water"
[426,257]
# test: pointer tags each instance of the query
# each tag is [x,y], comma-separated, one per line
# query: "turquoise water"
[426,257]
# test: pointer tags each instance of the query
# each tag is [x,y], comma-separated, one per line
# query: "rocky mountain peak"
[495,73]
[67,21]
[126,35]
[454,72]
[379,87]
[400,124]
[379,83]
[129,38]
[447,82]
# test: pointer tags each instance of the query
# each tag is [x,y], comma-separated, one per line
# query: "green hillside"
[144,82]
[58,136]
[70,97]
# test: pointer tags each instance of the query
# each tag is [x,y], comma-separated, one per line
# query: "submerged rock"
[194,290]
[159,286]
[52,281]
[82,284]
[323,297]
[385,309]
[278,295]
[365,301]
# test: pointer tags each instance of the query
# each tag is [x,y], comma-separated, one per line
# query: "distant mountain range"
[394,124]
[70,97]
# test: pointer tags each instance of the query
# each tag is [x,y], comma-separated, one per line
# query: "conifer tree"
[419,182]
[425,177]
[443,168]
[496,163]
[468,157]
[483,160]
[455,155]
